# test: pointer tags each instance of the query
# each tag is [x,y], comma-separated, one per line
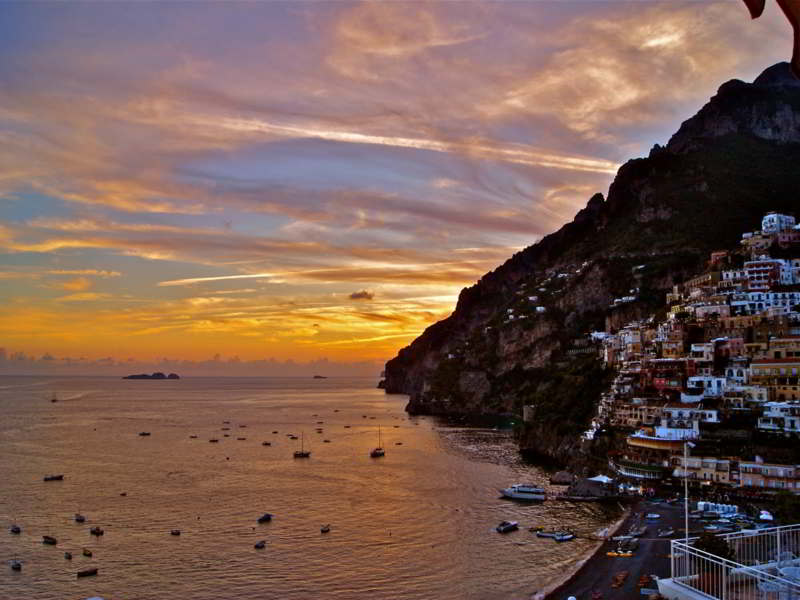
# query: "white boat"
[507,526]
[652,516]
[525,492]
[563,536]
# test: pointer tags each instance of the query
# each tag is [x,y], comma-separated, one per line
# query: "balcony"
[765,566]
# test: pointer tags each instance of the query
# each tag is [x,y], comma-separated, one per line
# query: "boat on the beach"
[302,453]
[507,526]
[265,518]
[54,398]
[378,451]
[88,572]
[144,433]
[266,443]
[637,531]
[260,545]
[524,492]
[49,540]
[213,440]
[54,477]
[546,534]
[667,532]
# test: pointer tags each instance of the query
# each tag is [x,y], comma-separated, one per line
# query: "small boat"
[49,540]
[194,437]
[88,572]
[398,443]
[213,440]
[265,518]
[524,492]
[242,426]
[54,398]
[637,531]
[326,441]
[175,532]
[665,532]
[260,545]
[54,477]
[325,528]
[144,433]
[507,526]
[293,437]
[79,518]
[15,529]
[266,443]
[226,422]
[225,429]
[652,516]
[241,439]
[68,555]
[98,531]
[87,552]
[16,565]
[274,432]
[564,536]
[546,534]
[347,426]
[123,493]
[379,451]
[302,453]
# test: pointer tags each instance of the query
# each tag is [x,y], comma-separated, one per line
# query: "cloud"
[362,295]
[79,284]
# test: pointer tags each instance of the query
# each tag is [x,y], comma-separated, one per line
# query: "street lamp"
[686,445]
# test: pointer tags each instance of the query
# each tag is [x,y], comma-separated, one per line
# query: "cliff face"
[511,334]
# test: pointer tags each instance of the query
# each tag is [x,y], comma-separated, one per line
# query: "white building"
[780,417]
[774,222]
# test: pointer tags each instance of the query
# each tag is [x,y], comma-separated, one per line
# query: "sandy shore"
[548,592]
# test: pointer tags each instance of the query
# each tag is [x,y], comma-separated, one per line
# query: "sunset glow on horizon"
[316,180]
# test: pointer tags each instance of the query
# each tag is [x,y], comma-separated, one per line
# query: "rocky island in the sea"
[157,375]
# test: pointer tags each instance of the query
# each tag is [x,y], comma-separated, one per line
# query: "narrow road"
[651,558]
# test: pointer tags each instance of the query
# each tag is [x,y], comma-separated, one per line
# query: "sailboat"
[302,453]
[379,451]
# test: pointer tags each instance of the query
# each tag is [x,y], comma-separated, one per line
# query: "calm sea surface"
[416,524]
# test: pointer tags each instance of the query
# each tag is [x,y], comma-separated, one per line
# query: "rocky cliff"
[511,340]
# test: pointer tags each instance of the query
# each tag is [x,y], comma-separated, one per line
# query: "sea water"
[415,524]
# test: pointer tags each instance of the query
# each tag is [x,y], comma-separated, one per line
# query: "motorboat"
[524,492]
[260,545]
[302,453]
[98,531]
[266,443]
[54,398]
[15,529]
[49,540]
[54,477]
[193,437]
[175,532]
[79,518]
[325,528]
[507,526]
[88,572]
[326,441]
[213,440]
[16,565]
[144,433]
[546,534]
[68,555]
[652,516]
[564,536]
[87,552]
[265,518]
[241,439]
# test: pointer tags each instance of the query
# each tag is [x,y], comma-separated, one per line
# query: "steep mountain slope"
[737,158]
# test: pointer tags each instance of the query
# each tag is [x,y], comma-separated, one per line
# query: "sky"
[289,184]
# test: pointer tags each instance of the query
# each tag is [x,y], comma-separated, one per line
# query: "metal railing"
[765,565]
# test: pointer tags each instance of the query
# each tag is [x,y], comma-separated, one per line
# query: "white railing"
[765,566]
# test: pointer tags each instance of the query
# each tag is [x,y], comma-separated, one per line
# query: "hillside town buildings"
[712,390]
